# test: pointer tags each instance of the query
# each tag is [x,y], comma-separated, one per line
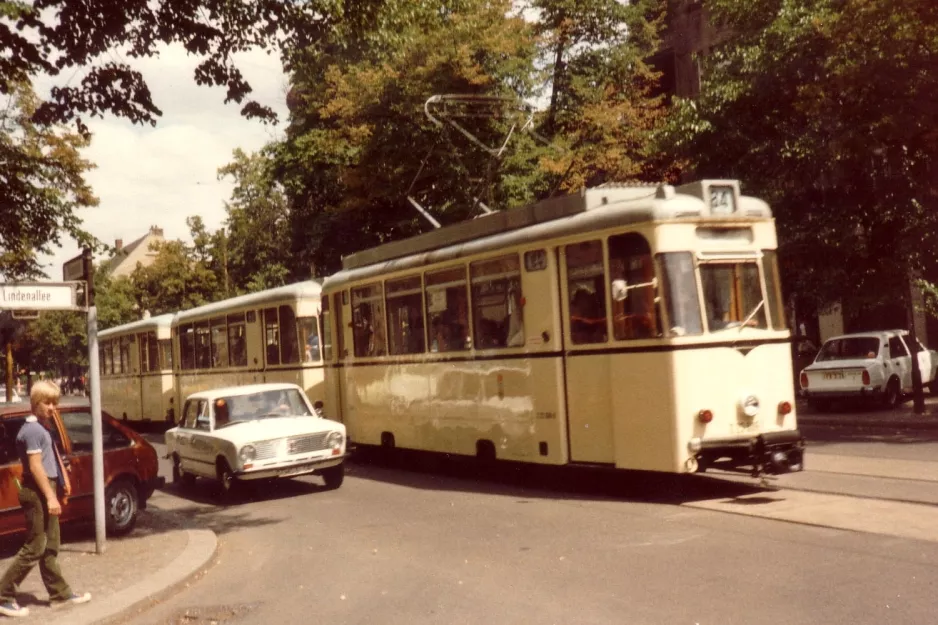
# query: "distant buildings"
[138,252]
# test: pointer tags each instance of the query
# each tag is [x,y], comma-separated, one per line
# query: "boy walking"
[43,473]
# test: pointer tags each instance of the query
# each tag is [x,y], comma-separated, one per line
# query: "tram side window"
[153,352]
[586,286]
[142,352]
[219,331]
[187,346]
[772,282]
[406,333]
[237,345]
[203,345]
[679,287]
[633,288]
[325,324]
[368,337]
[496,303]
[271,336]
[308,334]
[448,310]
[289,346]
[116,353]
[166,354]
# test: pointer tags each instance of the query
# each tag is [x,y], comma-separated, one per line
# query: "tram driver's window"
[679,289]
[368,323]
[633,287]
[496,302]
[586,287]
[405,316]
[448,310]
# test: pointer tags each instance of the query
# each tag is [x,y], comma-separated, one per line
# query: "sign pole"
[94,387]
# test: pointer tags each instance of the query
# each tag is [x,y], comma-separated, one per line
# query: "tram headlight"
[694,445]
[247,453]
[749,405]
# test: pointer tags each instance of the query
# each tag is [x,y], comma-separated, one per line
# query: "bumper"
[866,392]
[288,470]
[771,453]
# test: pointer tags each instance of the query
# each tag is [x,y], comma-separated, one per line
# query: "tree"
[57,342]
[115,300]
[254,248]
[824,108]
[58,37]
[603,106]
[177,280]
[41,185]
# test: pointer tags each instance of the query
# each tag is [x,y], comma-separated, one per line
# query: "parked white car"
[868,365]
[254,432]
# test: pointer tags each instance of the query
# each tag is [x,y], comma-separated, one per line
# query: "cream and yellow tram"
[635,327]
[136,361]
[268,336]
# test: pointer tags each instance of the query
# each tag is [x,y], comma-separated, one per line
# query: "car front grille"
[265,450]
[306,443]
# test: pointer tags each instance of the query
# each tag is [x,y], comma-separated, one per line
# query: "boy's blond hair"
[44,390]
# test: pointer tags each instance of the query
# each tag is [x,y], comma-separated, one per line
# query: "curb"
[198,554]
[909,424]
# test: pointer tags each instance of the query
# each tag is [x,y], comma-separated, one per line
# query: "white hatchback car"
[255,432]
[867,365]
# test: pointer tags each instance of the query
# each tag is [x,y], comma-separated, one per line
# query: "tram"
[635,327]
[136,361]
[268,336]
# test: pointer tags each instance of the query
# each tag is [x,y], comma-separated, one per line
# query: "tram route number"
[546,415]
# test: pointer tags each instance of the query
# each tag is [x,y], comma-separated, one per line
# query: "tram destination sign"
[42,296]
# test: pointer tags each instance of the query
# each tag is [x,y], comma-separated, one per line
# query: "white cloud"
[160,175]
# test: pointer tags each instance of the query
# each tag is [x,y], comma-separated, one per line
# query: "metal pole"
[97,443]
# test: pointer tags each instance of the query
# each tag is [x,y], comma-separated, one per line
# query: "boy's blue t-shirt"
[34,438]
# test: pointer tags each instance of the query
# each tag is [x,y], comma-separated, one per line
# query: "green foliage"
[56,342]
[825,109]
[115,300]
[41,186]
[177,280]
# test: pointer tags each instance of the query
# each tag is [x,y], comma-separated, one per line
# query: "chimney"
[119,244]
[157,231]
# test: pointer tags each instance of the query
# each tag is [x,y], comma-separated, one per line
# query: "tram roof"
[595,208]
[299,290]
[151,323]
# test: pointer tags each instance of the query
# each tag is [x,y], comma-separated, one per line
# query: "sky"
[159,175]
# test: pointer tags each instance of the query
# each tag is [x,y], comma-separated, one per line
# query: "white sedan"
[255,432]
[867,365]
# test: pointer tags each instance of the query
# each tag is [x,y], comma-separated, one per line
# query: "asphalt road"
[435,542]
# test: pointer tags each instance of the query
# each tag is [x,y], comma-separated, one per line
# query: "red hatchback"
[130,468]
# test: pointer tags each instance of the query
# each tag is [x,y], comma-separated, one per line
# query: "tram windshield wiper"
[751,314]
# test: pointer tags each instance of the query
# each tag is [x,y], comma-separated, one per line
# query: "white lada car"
[868,365]
[254,432]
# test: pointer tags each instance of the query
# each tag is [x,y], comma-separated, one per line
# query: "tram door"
[586,368]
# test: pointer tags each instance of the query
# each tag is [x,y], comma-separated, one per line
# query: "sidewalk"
[902,417]
[157,557]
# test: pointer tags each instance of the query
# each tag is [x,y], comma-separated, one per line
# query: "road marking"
[873,516]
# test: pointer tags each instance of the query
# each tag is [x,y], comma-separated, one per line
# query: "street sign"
[25,314]
[74,269]
[41,296]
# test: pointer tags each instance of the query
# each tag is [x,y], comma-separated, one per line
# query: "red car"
[130,468]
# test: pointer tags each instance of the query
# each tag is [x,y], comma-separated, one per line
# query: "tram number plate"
[834,375]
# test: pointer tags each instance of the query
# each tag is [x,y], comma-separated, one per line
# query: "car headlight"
[334,440]
[247,453]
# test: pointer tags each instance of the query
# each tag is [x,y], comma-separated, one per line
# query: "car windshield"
[260,405]
[853,348]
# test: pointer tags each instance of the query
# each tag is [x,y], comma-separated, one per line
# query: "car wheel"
[121,501]
[892,397]
[180,476]
[334,476]
[227,482]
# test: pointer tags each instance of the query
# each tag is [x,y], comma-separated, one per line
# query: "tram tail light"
[705,416]
[866,377]
[784,408]
[804,380]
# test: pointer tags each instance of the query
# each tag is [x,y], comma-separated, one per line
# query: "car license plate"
[833,375]
[294,471]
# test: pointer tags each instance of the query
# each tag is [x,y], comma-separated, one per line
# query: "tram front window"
[733,295]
